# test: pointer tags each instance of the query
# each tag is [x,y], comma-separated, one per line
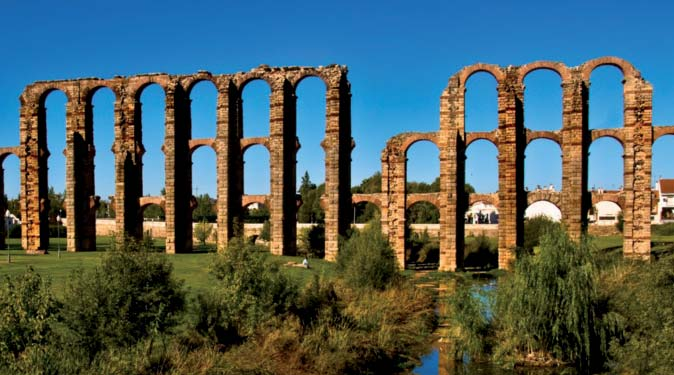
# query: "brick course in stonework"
[511,138]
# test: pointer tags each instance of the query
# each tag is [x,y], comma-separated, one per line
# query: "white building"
[665,207]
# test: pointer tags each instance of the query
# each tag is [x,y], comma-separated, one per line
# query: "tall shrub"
[366,260]
[549,306]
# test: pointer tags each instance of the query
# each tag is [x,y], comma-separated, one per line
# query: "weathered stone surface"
[511,137]
[229,145]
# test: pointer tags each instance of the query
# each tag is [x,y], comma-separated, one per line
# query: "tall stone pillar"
[128,150]
[282,123]
[638,137]
[80,203]
[511,145]
[393,187]
[337,146]
[228,153]
[34,186]
[575,144]
[453,199]
[178,170]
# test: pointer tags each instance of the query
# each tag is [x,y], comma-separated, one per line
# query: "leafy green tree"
[366,260]
[130,296]
[423,213]
[14,206]
[27,313]
[250,292]
[256,215]
[369,185]
[56,204]
[206,209]
[203,231]
[310,211]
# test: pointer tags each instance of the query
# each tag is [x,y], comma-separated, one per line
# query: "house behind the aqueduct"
[511,138]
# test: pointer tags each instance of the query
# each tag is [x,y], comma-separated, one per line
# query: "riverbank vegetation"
[569,303]
[130,314]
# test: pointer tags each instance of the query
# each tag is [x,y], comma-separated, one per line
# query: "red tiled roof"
[667,185]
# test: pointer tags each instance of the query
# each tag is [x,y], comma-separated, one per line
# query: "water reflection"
[437,363]
[440,362]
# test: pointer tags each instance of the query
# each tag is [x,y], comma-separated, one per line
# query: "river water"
[437,362]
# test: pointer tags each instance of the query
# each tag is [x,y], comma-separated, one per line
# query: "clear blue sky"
[399,53]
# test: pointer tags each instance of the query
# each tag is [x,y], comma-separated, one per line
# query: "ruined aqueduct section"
[511,138]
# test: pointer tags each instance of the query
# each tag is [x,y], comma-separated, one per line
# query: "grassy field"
[193,268]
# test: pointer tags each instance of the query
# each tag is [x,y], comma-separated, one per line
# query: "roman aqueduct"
[511,138]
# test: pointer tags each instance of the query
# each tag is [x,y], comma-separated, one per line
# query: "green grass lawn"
[193,268]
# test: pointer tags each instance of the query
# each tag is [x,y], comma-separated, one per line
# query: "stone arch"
[553,197]
[557,67]
[554,136]
[542,207]
[195,144]
[432,198]
[367,198]
[494,70]
[189,81]
[486,198]
[90,92]
[625,67]
[249,199]
[660,131]
[615,134]
[241,80]
[613,196]
[491,136]
[412,138]
[304,74]
[247,143]
[138,84]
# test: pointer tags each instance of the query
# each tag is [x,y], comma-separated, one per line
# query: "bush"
[642,294]
[663,229]
[549,307]
[27,312]
[203,231]
[481,252]
[312,241]
[14,232]
[366,259]
[250,291]
[534,229]
[130,296]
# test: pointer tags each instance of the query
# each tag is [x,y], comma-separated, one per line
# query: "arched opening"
[543,208]
[482,166]
[152,100]
[606,98]
[154,225]
[481,103]
[543,166]
[662,166]
[12,213]
[364,212]
[103,111]
[203,108]
[422,241]
[663,180]
[543,100]
[311,129]
[605,165]
[256,222]
[255,115]
[482,212]
[605,213]
[481,242]
[55,112]
[423,168]
[204,185]
[310,166]
[256,170]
